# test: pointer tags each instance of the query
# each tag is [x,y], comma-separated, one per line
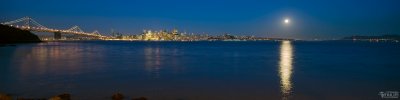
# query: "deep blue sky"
[309,19]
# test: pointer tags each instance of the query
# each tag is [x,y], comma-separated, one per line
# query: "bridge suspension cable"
[27,22]
[96,32]
[32,25]
[75,29]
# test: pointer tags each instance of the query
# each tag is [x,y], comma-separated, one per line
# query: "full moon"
[287,21]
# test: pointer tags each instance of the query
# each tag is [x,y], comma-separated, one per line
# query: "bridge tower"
[27,23]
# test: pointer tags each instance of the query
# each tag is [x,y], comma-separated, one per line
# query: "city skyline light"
[199,49]
[313,19]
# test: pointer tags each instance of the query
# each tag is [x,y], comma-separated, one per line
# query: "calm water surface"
[202,70]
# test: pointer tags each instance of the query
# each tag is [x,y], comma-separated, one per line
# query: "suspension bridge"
[27,23]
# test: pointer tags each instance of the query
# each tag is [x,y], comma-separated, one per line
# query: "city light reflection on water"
[285,68]
[153,61]
[44,59]
[267,70]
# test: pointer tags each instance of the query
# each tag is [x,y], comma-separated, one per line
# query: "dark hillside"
[14,35]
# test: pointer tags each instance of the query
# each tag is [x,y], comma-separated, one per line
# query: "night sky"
[308,19]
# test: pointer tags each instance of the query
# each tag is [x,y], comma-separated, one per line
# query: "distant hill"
[382,37]
[14,35]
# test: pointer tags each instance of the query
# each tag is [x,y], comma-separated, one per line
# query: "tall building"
[175,31]
[161,35]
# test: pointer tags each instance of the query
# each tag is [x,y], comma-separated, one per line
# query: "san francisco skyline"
[199,49]
[312,19]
